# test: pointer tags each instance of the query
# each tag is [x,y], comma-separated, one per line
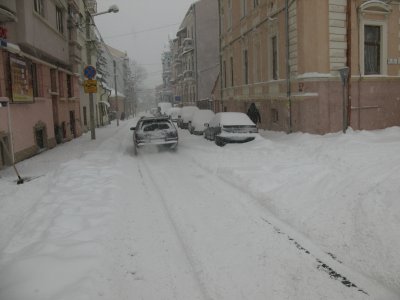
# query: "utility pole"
[116,93]
[89,62]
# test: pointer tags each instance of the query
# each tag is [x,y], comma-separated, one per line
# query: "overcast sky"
[141,28]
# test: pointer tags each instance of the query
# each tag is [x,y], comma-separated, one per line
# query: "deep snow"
[283,217]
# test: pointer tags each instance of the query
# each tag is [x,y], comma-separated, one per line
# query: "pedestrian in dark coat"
[254,114]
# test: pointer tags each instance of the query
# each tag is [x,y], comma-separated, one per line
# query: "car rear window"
[156,126]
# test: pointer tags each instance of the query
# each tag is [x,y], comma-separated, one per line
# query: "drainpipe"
[348,59]
[288,81]
[220,59]
[196,98]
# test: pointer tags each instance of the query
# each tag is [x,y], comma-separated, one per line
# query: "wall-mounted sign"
[3,32]
[21,80]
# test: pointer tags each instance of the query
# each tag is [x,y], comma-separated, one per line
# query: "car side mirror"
[133,128]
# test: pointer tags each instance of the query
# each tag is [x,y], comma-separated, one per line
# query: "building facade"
[194,54]
[37,78]
[288,59]
[166,93]
[117,66]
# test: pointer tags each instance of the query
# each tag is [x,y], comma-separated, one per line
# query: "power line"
[140,31]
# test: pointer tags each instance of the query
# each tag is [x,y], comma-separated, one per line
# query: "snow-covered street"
[282,217]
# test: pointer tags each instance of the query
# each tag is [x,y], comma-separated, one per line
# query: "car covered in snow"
[200,117]
[186,116]
[154,131]
[230,127]
[174,113]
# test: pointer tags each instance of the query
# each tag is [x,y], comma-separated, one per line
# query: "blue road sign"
[89,72]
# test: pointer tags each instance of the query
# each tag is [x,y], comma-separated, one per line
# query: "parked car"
[154,131]
[186,116]
[174,113]
[230,127]
[200,117]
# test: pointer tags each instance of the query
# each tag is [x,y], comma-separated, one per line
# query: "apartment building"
[288,57]
[117,66]
[166,94]
[36,77]
[194,54]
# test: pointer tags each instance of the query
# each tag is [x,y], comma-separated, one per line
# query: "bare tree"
[138,75]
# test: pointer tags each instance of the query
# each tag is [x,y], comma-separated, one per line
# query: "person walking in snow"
[254,114]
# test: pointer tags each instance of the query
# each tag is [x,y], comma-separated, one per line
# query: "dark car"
[230,127]
[155,131]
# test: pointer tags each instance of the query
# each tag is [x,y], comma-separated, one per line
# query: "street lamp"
[4,101]
[89,16]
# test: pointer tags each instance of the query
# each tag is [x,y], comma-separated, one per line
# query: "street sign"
[89,72]
[90,86]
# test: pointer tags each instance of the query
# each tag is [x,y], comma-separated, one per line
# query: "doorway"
[72,123]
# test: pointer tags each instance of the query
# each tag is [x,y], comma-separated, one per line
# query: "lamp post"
[5,101]
[116,93]
[112,9]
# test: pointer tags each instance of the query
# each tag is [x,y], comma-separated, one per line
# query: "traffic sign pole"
[89,62]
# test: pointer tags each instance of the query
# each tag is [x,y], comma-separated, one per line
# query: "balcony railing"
[187,44]
[188,75]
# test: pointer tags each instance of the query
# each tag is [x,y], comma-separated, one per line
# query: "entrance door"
[72,123]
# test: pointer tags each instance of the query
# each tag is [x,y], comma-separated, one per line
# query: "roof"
[112,94]
[115,52]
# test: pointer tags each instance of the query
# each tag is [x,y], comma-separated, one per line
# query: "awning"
[105,103]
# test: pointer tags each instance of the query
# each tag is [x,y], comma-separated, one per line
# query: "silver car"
[230,127]
[154,131]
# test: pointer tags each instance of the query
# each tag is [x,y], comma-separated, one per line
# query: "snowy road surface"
[102,223]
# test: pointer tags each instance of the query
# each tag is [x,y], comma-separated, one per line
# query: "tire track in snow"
[335,268]
[188,255]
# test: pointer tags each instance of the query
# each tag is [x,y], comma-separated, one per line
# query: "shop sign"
[21,80]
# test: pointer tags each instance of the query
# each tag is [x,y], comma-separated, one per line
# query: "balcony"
[8,11]
[188,75]
[75,52]
[188,45]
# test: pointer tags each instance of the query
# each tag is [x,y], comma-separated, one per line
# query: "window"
[224,67]
[372,49]
[35,81]
[60,19]
[69,86]
[39,7]
[274,115]
[229,14]
[231,63]
[243,8]
[53,80]
[84,116]
[257,62]
[274,58]
[246,67]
